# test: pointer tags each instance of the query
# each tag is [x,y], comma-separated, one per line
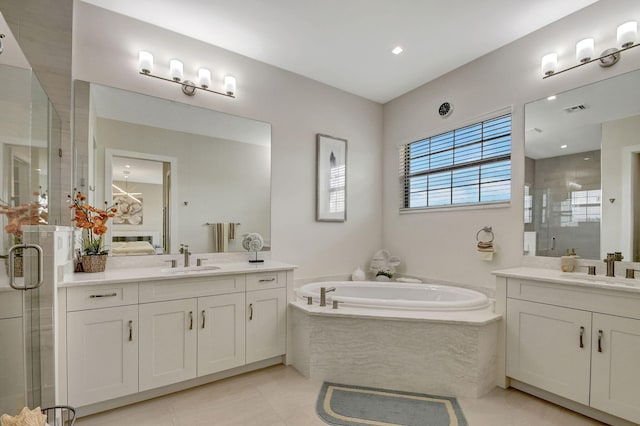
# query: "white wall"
[105,51]
[620,142]
[441,244]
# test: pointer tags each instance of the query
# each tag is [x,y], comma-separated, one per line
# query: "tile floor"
[280,396]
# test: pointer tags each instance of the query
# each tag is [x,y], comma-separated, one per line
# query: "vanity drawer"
[606,301]
[266,280]
[101,296]
[157,291]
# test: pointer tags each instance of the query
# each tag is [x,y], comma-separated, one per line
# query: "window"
[470,165]
[581,206]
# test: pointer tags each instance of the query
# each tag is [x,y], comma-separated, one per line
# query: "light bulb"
[584,50]
[204,77]
[145,62]
[549,63]
[230,85]
[627,34]
[176,69]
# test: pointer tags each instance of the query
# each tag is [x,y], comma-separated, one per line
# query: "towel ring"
[488,230]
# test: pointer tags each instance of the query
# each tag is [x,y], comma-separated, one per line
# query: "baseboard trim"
[571,405]
[176,387]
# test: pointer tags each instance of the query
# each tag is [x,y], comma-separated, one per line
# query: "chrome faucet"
[611,262]
[184,249]
[323,294]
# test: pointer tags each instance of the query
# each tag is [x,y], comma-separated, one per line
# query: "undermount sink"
[179,269]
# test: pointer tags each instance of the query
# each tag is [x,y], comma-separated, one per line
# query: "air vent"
[576,108]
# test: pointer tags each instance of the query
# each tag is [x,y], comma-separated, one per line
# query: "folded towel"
[232,231]
[220,243]
[487,256]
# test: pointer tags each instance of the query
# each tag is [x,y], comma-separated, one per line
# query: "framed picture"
[331,179]
[128,210]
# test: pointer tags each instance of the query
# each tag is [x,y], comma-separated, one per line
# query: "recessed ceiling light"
[563,146]
[397,50]
[551,98]
[128,166]
[587,158]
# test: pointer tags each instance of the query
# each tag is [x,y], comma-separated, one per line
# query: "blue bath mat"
[346,405]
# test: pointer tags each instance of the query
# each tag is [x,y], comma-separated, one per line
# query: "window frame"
[458,145]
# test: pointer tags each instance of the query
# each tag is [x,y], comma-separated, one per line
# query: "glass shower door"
[28,124]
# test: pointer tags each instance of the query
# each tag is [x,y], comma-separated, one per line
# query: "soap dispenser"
[568,261]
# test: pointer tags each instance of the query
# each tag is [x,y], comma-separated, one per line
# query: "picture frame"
[331,179]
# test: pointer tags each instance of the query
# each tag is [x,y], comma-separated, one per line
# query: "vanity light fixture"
[627,35]
[176,72]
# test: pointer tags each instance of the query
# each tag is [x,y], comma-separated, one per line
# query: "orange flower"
[93,220]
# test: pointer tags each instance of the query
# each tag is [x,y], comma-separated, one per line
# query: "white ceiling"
[548,125]
[347,43]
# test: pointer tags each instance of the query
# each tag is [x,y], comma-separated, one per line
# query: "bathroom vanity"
[573,339]
[133,334]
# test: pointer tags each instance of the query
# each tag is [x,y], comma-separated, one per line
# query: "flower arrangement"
[33,213]
[93,222]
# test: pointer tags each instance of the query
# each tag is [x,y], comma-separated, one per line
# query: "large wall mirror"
[179,174]
[582,171]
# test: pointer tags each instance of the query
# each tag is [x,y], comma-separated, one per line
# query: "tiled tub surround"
[437,352]
[572,339]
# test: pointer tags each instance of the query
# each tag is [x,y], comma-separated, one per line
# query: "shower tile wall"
[552,184]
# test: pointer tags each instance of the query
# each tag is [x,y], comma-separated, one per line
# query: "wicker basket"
[94,263]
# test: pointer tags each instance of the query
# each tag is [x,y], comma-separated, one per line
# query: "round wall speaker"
[445,109]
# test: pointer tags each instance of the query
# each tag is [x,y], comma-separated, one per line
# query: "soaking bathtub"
[426,338]
[393,295]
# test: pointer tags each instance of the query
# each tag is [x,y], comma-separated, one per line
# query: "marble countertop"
[580,279]
[164,273]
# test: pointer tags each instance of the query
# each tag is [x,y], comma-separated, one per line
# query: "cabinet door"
[102,354]
[168,338]
[549,347]
[615,360]
[220,333]
[266,324]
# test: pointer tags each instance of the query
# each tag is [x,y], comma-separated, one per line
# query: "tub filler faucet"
[323,294]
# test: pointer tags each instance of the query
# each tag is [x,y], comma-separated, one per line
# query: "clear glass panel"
[27,125]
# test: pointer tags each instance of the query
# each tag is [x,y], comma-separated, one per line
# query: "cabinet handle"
[95,296]
[203,318]
[250,311]
[581,334]
[130,330]
[266,280]
[599,340]
[190,320]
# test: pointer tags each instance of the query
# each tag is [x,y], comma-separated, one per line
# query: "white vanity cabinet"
[549,347]
[102,349]
[266,323]
[221,333]
[579,343]
[615,366]
[130,339]
[168,338]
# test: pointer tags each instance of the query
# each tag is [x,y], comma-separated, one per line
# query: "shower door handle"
[40,258]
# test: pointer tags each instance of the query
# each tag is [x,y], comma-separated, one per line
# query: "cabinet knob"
[190,320]
[250,311]
[130,330]
[581,335]
[203,318]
